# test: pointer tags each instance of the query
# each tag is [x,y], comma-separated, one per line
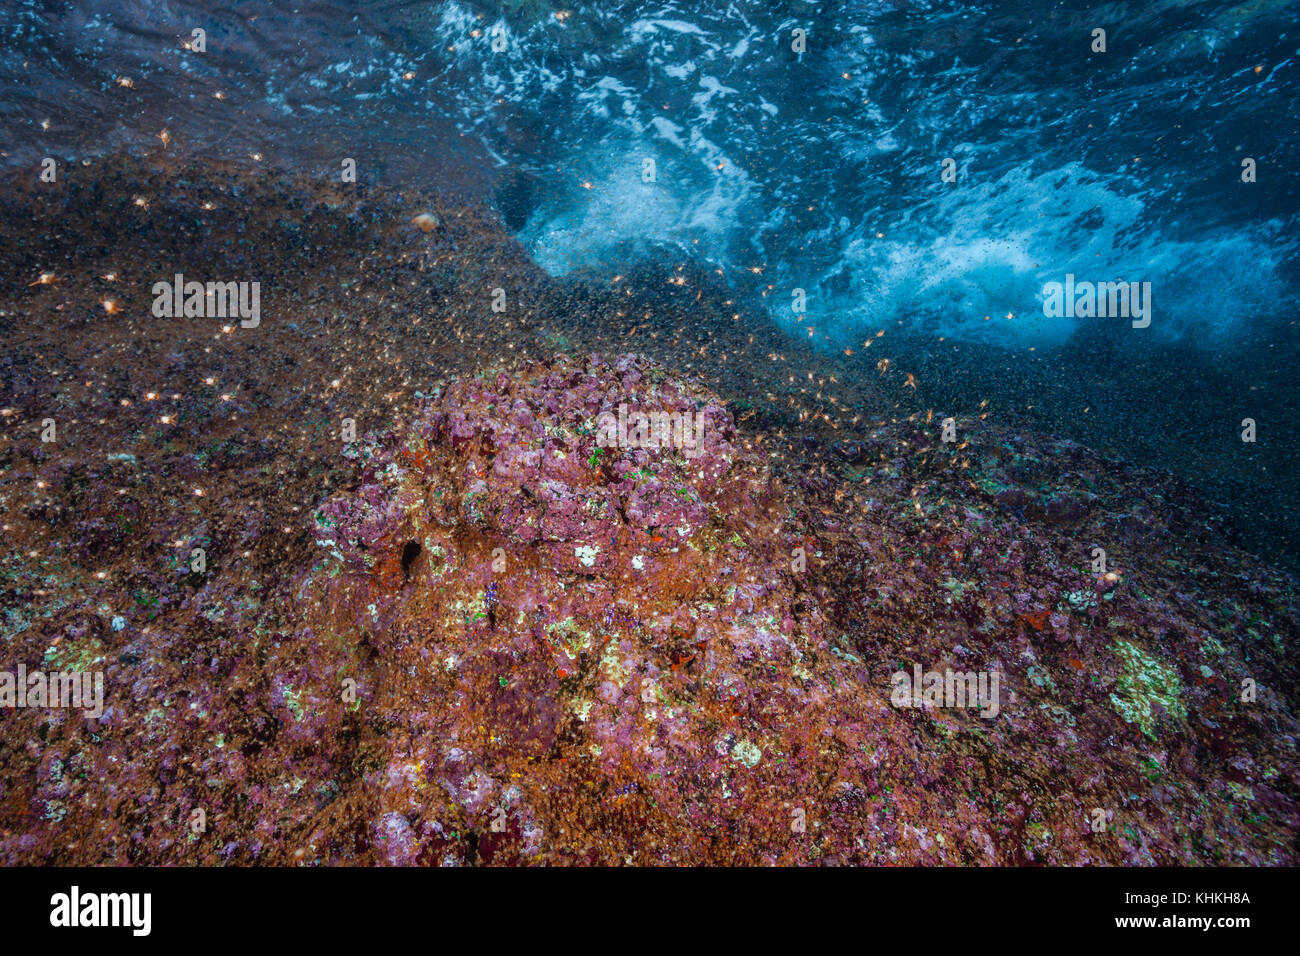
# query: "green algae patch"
[79,656]
[747,753]
[957,589]
[1081,601]
[573,639]
[1144,683]
[293,700]
[1038,839]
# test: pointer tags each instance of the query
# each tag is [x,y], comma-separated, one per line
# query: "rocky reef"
[488,629]
[566,633]
[598,656]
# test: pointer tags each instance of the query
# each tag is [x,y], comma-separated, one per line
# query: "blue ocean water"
[817,170]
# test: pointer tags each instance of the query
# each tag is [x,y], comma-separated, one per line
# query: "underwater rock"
[579,618]
[620,635]
[478,635]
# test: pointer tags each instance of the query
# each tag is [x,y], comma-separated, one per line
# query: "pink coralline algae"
[588,654]
[515,642]
[584,631]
